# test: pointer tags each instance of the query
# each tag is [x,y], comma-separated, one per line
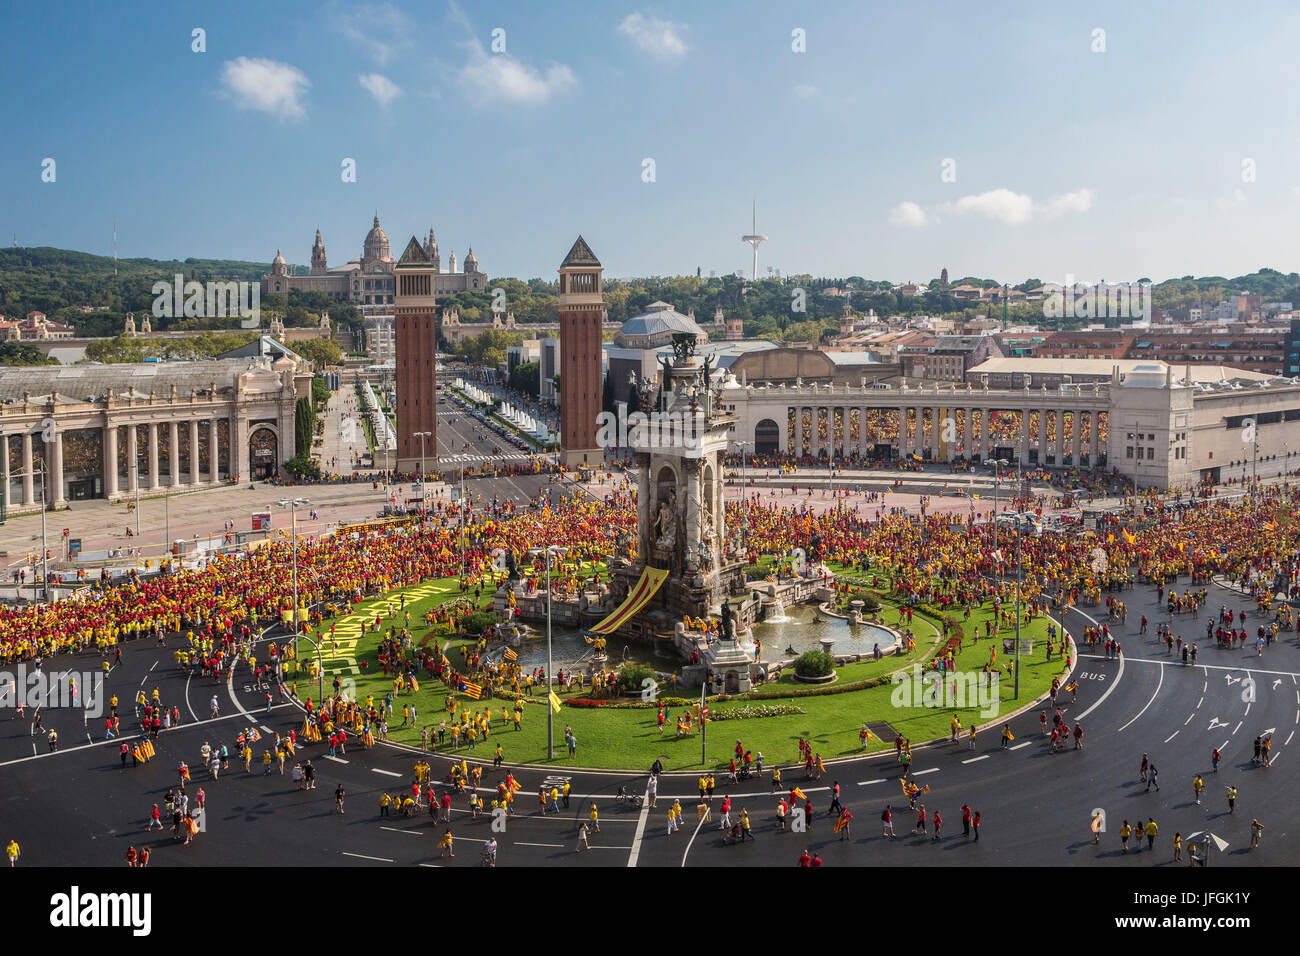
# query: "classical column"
[54,494]
[132,458]
[110,461]
[173,455]
[194,452]
[155,480]
[1094,453]
[985,421]
[1076,436]
[1024,435]
[232,449]
[29,487]
[214,456]
[239,438]
[4,471]
[796,443]
[968,434]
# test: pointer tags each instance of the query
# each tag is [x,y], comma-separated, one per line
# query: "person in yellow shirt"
[595,818]
[12,852]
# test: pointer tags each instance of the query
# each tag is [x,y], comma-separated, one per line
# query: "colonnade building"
[1160,426]
[110,431]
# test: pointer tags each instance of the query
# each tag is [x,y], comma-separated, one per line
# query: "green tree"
[525,377]
[320,352]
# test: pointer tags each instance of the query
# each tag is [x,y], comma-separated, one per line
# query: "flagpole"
[704,723]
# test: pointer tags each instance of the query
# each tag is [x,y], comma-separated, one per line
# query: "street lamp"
[744,508]
[292,505]
[550,711]
[424,495]
[997,464]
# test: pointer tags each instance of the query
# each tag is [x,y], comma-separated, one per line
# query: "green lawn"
[629,738]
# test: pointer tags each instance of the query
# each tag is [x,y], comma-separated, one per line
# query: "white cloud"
[500,76]
[1016,209]
[265,85]
[908,214]
[381,29]
[660,38]
[1078,201]
[1001,204]
[806,91]
[380,87]
[1238,198]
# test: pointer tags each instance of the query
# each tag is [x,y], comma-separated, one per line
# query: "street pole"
[704,725]
[45,552]
[1019,578]
[462,522]
[137,512]
[167,534]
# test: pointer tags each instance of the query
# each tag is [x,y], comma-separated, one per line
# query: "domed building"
[656,327]
[368,281]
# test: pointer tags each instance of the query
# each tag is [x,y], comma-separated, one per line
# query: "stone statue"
[512,569]
[683,346]
[667,364]
[728,622]
[666,524]
[705,556]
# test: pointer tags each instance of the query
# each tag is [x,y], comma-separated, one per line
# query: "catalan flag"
[870,735]
[555,702]
[1128,536]
[471,690]
[510,655]
[799,793]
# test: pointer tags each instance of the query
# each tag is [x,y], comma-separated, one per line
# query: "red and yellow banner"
[637,598]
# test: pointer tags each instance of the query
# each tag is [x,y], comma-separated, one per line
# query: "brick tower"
[581,306]
[416,332]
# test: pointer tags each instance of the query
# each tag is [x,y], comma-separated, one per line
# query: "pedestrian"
[1151,829]
[582,837]
[1232,799]
[965,820]
[975,825]
[1152,780]
[1178,847]
[887,818]
[1142,773]
[938,823]
[12,852]
[1215,757]
[1125,832]
[1197,785]
[1256,831]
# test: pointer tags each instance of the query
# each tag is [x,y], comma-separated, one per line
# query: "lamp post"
[424,495]
[550,710]
[320,669]
[744,508]
[292,505]
[997,464]
[4,473]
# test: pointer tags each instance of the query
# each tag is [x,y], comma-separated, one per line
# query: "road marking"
[922,773]
[1224,744]
[436,866]
[640,828]
[692,840]
[1217,667]
[362,856]
[155,664]
[267,729]
[1018,746]
[1100,700]
[1199,703]
[551,846]
[976,759]
[601,847]
[1237,728]
[867,783]
[337,759]
[1288,738]
[386,773]
[1189,717]
[1159,684]
[1171,736]
[400,830]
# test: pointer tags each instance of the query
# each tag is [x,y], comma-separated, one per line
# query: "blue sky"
[1114,164]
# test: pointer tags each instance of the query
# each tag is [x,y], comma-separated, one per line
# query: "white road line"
[1159,684]
[1272,760]
[267,729]
[400,830]
[551,846]
[1018,746]
[1288,738]
[1172,736]
[155,664]
[1237,728]
[1247,713]
[867,783]
[691,841]
[976,759]
[1217,667]
[436,866]
[335,759]
[1189,718]
[640,828]
[922,773]
[601,847]
[1222,746]
[386,773]
[1100,700]
[362,856]
[1199,703]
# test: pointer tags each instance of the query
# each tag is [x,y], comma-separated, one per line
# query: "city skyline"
[516,141]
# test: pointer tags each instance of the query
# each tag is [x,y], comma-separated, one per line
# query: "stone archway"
[263,453]
[767,437]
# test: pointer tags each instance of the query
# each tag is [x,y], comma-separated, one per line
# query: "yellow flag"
[1129,537]
[555,702]
[800,794]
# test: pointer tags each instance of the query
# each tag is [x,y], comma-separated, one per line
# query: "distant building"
[368,281]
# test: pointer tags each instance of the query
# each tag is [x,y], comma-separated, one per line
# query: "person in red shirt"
[976,825]
[805,861]
[816,860]
[965,820]
[938,822]
[131,856]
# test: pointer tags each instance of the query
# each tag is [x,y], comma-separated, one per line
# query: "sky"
[1106,140]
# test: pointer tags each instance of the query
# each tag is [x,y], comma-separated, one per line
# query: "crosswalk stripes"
[474,459]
